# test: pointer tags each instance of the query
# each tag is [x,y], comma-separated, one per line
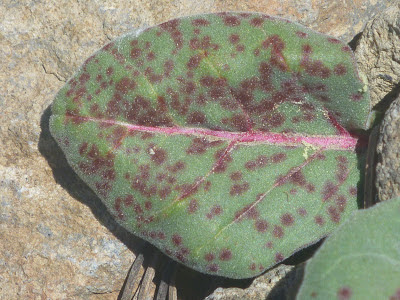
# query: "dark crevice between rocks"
[288,286]
[384,104]
[355,40]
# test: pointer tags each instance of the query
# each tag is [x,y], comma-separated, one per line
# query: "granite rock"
[57,241]
[267,286]
[379,55]
[388,150]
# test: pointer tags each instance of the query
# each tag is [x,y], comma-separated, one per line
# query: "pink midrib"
[343,141]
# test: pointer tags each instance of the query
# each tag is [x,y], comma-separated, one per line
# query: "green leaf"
[360,260]
[226,140]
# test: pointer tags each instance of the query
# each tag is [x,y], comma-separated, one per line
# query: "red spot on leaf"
[117,207]
[194,61]
[261,225]
[310,187]
[256,22]
[329,190]
[249,212]
[200,22]
[83,148]
[129,200]
[302,211]
[209,256]
[279,257]
[340,70]
[168,67]
[260,162]
[147,135]
[222,158]
[213,268]
[200,146]
[333,40]
[151,56]
[307,49]
[240,48]
[178,166]
[196,118]
[353,191]
[136,53]
[278,232]
[319,220]
[346,49]
[117,136]
[357,97]
[148,205]
[103,188]
[298,178]
[287,219]
[225,254]
[108,174]
[216,210]
[161,235]
[269,245]
[341,202]
[151,76]
[187,189]
[158,156]
[231,21]
[301,34]
[125,85]
[273,120]
[176,239]
[279,157]
[236,176]
[234,38]
[193,206]
[334,214]
[138,209]
[84,78]
[344,293]
[164,192]
[207,186]
[275,42]
[239,189]
[313,67]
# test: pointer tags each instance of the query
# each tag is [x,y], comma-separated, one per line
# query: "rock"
[57,241]
[379,55]
[266,286]
[388,150]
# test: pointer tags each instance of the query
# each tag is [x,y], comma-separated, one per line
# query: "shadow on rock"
[288,286]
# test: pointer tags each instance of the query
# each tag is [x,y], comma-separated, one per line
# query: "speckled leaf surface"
[222,139]
[361,260]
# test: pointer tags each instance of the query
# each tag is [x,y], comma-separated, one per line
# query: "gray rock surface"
[280,283]
[378,52]
[388,150]
[57,241]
